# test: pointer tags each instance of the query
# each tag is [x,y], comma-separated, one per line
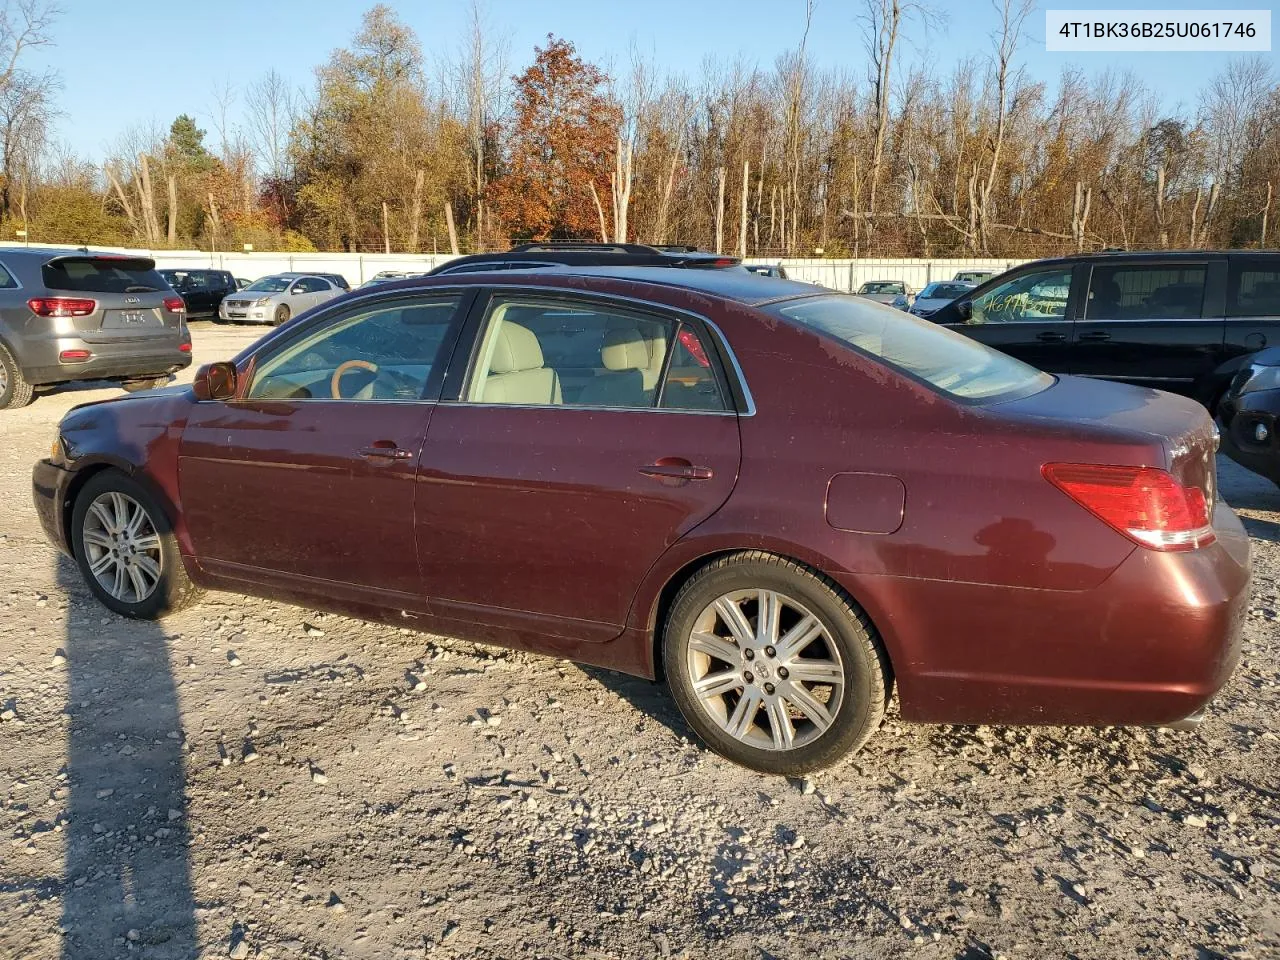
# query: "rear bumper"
[1239,418]
[108,360]
[1150,646]
[49,483]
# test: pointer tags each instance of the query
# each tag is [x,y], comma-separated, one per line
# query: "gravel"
[585,822]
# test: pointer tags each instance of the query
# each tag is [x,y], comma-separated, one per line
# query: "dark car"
[1179,321]
[1250,414]
[337,279]
[660,472]
[68,315]
[776,270]
[201,290]
[534,256]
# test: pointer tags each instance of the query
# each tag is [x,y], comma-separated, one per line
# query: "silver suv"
[68,315]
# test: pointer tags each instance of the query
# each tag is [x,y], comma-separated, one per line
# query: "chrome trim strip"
[582,406]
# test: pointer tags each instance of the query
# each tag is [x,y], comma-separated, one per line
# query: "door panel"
[533,517]
[1144,323]
[1253,305]
[295,487]
[1028,317]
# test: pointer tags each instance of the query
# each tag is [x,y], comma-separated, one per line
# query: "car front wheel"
[125,549]
[282,314]
[772,664]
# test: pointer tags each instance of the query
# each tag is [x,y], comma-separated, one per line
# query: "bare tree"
[1013,18]
[480,78]
[271,110]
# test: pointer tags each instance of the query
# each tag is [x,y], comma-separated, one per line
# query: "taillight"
[74,356]
[61,306]
[1145,504]
[689,340]
[184,348]
[174,305]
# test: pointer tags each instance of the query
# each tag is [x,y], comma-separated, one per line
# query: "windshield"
[270,284]
[945,291]
[950,363]
[882,286]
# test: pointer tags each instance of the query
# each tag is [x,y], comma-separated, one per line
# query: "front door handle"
[1095,335]
[1051,336]
[676,468]
[384,450]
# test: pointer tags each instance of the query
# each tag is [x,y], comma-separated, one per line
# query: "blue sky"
[137,61]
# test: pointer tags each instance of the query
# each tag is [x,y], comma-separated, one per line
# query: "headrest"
[624,350]
[516,349]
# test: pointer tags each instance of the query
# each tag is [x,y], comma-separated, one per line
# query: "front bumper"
[49,484]
[245,314]
[1239,417]
[1149,646]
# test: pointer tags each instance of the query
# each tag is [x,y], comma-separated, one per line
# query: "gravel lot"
[255,780]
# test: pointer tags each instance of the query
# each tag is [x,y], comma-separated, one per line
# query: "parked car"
[937,295]
[241,283]
[974,277]
[201,290]
[68,315]
[535,256]
[1181,321]
[276,298]
[616,465]
[337,279]
[1250,414]
[386,276]
[885,291]
[775,270]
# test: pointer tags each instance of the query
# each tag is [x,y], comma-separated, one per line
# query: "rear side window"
[97,275]
[691,379]
[950,363]
[1253,289]
[7,281]
[1140,292]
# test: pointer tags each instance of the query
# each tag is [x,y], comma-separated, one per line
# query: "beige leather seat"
[516,372]
[626,355]
[651,371]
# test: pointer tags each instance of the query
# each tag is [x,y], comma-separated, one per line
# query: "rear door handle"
[1096,335]
[677,468]
[1051,336]
[384,450]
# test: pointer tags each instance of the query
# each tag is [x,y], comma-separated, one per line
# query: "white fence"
[845,275]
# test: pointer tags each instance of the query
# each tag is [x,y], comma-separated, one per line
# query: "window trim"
[436,380]
[740,405]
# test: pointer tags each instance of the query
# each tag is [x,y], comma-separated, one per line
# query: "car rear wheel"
[150,383]
[281,315]
[126,551]
[14,390]
[772,664]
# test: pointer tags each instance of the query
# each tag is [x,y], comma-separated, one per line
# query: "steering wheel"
[335,382]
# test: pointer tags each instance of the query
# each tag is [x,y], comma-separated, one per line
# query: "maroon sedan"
[782,499]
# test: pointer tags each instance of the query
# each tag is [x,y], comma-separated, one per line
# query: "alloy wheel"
[765,669]
[122,547]
[4,379]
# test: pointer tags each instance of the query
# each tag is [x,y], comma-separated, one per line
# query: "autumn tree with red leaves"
[559,148]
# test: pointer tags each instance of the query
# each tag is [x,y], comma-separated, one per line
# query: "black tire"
[174,591]
[16,391]
[867,675]
[149,383]
[281,314]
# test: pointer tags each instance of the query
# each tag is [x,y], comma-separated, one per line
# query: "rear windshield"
[948,362]
[882,287]
[90,275]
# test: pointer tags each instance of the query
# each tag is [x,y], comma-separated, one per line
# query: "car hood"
[931,303]
[253,295]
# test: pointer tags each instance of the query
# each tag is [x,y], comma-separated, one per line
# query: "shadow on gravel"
[646,696]
[1258,529]
[127,889]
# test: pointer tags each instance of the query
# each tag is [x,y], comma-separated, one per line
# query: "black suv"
[532,256]
[200,290]
[1184,321]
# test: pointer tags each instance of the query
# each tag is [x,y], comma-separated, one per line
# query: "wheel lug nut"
[749,654]
[768,688]
[782,672]
[748,677]
[770,652]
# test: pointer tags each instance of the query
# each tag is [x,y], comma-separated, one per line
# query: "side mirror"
[294,291]
[965,310]
[215,381]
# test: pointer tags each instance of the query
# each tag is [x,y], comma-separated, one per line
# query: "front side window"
[1253,290]
[1139,292]
[1029,298]
[385,352]
[952,364]
[314,285]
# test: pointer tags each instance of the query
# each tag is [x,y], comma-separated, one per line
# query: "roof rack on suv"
[584,246]
[677,248]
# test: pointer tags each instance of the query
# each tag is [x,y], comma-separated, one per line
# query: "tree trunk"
[720,212]
[453,233]
[1266,211]
[620,181]
[604,229]
[214,223]
[386,229]
[130,214]
[664,206]
[1159,208]
[147,200]
[415,211]
[746,192]
[773,202]
[173,210]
